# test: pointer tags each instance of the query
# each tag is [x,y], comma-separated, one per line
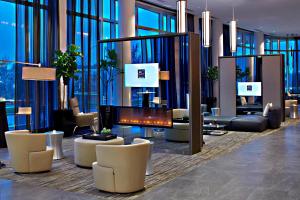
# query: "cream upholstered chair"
[28,152]
[180,113]
[82,119]
[85,150]
[121,168]
[288,104]
[180,131]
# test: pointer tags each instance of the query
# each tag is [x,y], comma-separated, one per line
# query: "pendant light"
[233,33]
[206,27]
[181,16]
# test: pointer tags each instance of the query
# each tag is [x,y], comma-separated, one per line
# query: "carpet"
[167,166]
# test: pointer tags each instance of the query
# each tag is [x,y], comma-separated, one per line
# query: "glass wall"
[289,48]
[154,21]
[245,43]
[27,37]
[88,22]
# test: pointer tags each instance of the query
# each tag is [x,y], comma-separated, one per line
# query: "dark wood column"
[196,135]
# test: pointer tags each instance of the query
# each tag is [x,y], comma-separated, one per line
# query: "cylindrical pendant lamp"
[181,16]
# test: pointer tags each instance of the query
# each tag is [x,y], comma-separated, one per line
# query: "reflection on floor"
[65,176]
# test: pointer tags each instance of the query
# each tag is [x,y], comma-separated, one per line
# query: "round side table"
[54,140]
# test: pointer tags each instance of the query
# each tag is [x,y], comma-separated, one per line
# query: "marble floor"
[266,168]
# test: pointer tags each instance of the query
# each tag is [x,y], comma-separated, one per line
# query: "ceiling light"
[206,27]
[181,16]
[233,33]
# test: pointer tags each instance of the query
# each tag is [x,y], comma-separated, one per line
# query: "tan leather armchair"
[28,152]
[82,119]
[121,168]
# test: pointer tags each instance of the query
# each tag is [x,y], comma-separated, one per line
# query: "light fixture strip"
[181,16]
[206,28]
[233,33]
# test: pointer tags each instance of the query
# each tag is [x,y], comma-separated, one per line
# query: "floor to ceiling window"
[88,22]
[245,43]
[154,21]
[289,47]
[26,37]
[150,20]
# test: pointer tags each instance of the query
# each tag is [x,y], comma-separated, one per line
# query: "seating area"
[119,99]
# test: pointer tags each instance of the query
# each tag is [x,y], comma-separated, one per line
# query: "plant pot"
[107,117]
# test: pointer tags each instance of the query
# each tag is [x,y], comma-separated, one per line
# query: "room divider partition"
[179,54]
[269,72]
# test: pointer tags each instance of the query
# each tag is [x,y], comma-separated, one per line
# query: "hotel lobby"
[149,99]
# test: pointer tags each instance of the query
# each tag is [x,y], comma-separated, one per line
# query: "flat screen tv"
[142,75]
[249,88]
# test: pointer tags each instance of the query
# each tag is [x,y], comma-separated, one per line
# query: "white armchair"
[121,168]
[28,152]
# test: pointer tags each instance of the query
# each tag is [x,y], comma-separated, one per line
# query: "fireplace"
[145,117]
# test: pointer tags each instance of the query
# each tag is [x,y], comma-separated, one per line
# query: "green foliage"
[109,68]
[213,73]
[240,74]
[66,63]
[105,131]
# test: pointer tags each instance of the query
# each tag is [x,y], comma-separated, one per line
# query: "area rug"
[68,177]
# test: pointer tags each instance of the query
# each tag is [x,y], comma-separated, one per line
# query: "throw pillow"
[267,108]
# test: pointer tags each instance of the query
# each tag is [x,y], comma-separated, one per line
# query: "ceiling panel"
[278,17]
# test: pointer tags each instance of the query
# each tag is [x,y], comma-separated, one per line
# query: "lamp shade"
[164,75]
[206,28]
[24,111]
[156,100]
[38,73]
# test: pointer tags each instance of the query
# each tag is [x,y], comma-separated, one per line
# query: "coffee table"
[214,129]
[54,140]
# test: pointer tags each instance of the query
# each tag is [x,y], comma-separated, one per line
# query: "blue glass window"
[106,9]
[144,17]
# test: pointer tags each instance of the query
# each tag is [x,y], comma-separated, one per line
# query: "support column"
[63,46]
[217,50]
[196,24]
[62,25]
[259,43]
[126,29]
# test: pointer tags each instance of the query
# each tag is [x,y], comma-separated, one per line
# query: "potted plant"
[110,70]
[66,68]
[240,74]
[212,76]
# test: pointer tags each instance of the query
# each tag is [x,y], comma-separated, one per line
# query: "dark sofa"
[248,123]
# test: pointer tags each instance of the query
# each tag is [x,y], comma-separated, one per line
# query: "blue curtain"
[206,62]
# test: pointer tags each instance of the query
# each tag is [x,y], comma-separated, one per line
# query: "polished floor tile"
[268,168]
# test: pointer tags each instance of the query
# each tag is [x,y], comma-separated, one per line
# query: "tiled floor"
[266,168]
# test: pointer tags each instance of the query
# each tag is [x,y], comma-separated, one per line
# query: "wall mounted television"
[249,88]
[142,75]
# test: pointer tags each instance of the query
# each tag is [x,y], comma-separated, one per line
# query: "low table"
[214,129]
[54,140]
